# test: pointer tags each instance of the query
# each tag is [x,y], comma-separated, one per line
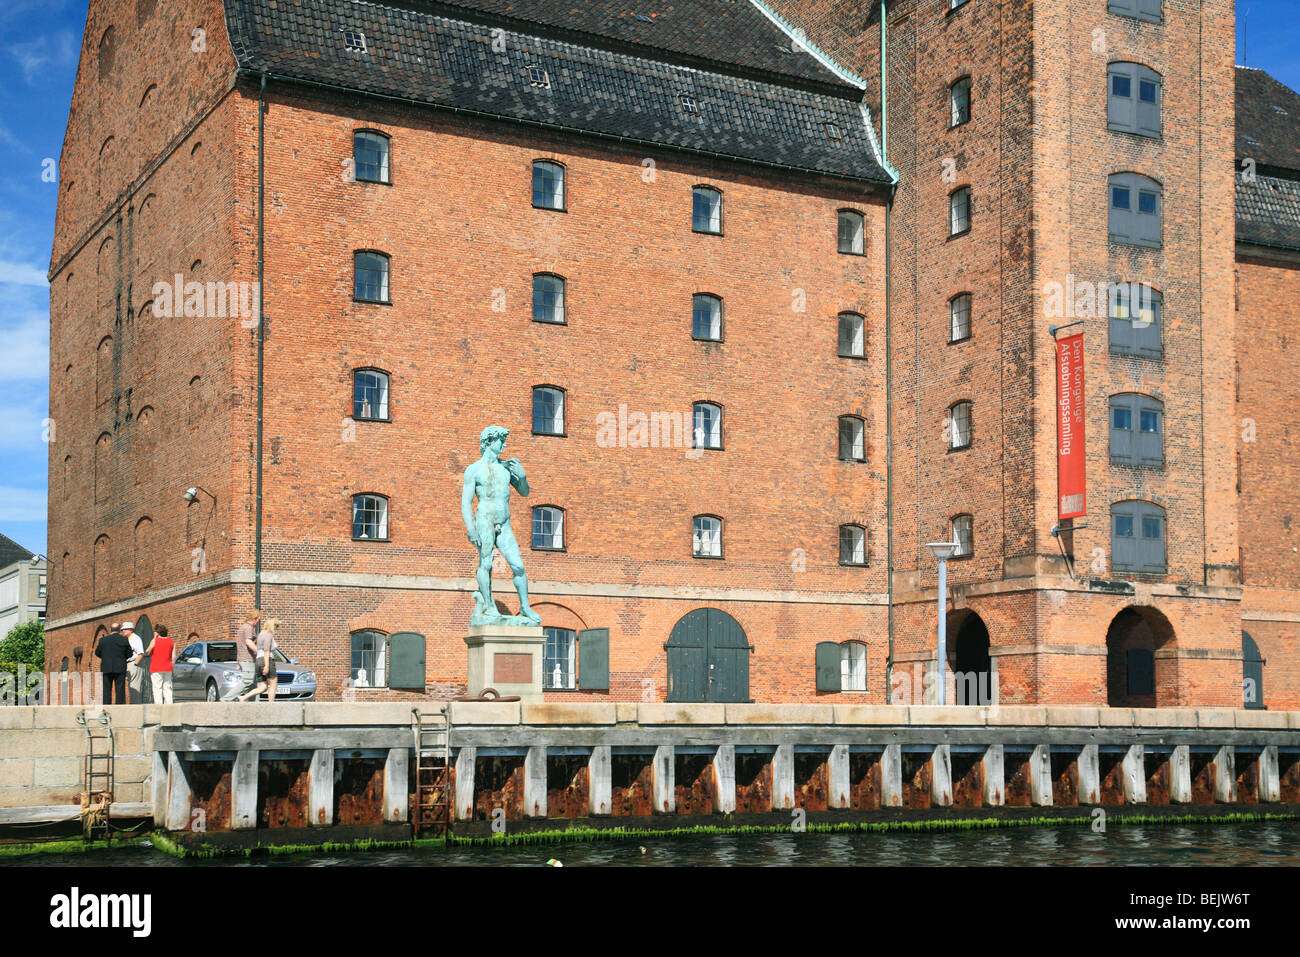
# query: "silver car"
[209,671]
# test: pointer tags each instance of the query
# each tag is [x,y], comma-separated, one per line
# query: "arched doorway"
[1252,674]
[1136,677]
[708,658]
[969,659]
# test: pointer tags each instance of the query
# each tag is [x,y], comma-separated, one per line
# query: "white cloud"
[22,274]
[22,504]
[44,54]
[25,355]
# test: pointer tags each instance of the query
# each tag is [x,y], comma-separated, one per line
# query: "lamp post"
[943,551]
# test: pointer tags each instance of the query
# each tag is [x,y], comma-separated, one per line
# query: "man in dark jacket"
[114,650]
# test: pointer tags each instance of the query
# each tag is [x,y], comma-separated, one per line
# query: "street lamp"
[943,551]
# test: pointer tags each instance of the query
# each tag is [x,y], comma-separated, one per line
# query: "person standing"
[266,677]
[135,667]
[162,656]
[113,651]
[246,648]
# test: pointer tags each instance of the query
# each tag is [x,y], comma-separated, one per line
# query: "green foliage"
[25,643]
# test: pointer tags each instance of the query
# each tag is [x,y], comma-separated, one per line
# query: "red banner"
[1071,476]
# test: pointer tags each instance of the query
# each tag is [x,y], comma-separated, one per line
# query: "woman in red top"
[163,650]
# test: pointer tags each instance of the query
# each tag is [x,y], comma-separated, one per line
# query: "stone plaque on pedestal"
[507,658]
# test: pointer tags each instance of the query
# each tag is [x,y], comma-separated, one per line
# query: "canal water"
[1216,845]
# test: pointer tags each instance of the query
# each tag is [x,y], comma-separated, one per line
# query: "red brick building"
[746,372]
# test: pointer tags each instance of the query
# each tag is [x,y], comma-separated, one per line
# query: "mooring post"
[1088,767]
[158,789]
[535,782]
[724,778]
[662,773]
[941,776]
[783,778]
[891,776]
[465,758]
[397,785]
[1134,771]
[600,780]
[320,808]
[1040,776]
[992,766]
[1180,775]
[1225,775]
[837,770]
[243,791]
[178,793]
[1270,790]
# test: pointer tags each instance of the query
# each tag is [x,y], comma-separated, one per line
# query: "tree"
[25,644]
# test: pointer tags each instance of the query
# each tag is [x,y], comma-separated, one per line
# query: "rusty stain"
[695,784]
[282,792]
[632,780]
[917,778]
[753,783]
[502,785]
[1158,778]
[1017,790]
[1248,779]
[359,791]
[1111,766]
[812,781]
[1288,772]
[568,787]
[1203,777]
[1065,780]
[967,779]
[864,781]
[210,789]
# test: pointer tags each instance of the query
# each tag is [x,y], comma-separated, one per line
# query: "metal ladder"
[433,785]
[97,776]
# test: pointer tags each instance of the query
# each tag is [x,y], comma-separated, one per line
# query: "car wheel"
[212,691]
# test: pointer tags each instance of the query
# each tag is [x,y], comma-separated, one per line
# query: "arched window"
[853,545]
[1135,310]
[963,533]
[1137,541]
[852,336]
[959,317]
[370,395]
[959,102]
[370,517]
[1133,99]
[370,156]
[706,536]
[707,426]
[548,298]
[851,232]
[100,570]
[548,185]
[143,559]
[853,441]
[104,370]
[853,666]
[959,425]
[1136,429]
[548,410]
[369,659]
[1148,10]
[1252,674]
[548,528]
[706,317]
[103,452]
[1134,210]
[706,210]
[194,401]
[107,51]
[959,211]
[370,276]
[560,659]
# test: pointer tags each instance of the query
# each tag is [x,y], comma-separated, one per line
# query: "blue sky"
[42,41]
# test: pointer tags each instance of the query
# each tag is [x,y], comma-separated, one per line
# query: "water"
[1270,843]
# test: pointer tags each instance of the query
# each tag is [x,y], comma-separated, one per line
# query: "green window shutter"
[406,660]
[593,659]
[828,666]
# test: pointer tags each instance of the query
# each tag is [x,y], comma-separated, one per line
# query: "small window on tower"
[538,77]
[689,105]
[354,40]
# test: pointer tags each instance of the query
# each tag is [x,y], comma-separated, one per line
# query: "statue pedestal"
[507,658]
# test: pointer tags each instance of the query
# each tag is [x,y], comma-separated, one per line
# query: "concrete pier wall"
[228,766]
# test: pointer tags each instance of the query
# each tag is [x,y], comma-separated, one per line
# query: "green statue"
[490,479]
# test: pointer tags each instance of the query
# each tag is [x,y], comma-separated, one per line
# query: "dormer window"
[537,76]
[689,105]
[354,40]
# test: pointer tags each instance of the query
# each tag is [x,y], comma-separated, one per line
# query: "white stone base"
[486,642]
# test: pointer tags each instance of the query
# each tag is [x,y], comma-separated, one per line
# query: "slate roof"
[11,551]
[1268,132]
[415,53]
